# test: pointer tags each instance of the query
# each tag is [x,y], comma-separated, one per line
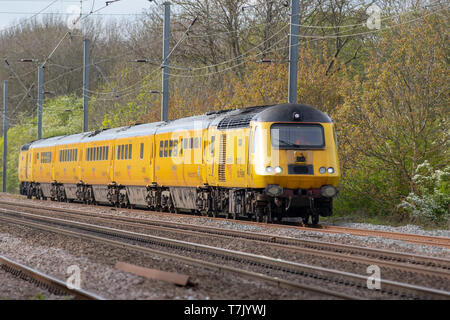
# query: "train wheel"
[305,220]
[315,219]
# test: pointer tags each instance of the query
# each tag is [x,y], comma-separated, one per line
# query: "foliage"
[431,200]
[395,117]
[61,115]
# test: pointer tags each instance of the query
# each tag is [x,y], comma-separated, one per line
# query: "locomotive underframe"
[206,200]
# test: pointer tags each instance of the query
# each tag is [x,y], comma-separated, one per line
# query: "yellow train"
[263,162]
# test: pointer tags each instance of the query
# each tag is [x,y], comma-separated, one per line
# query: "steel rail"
[415,238]
[53,285]
[441,266]
[282,243]
[192,261]
[340,277]
[412,238]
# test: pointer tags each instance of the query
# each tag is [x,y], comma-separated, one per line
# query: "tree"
[396,116]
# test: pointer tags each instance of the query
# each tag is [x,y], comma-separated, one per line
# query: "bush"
[430,202]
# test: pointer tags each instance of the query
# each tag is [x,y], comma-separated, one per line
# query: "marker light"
[278,170]
[328,191]
[330,170]
[269,169]
[296,116]
[322,170]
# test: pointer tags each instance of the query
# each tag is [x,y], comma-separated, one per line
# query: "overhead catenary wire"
[244,55]
[314,38]
[230,60]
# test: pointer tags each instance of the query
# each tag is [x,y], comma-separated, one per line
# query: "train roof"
[222,119]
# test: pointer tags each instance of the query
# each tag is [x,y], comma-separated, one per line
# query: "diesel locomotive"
[264,163]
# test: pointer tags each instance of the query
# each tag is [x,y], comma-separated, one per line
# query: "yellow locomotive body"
[267,162]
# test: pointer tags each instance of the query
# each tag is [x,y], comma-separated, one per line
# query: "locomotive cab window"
[297,136]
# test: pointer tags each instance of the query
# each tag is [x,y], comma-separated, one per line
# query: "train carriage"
[264,162]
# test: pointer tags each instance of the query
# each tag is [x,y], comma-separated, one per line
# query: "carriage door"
[251,154]
[209,157]
[26,165]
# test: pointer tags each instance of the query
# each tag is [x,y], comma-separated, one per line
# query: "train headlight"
[297,116]
[330,170]
[328,191]
[269,169]
[274,190]
[278,170]
[322,170]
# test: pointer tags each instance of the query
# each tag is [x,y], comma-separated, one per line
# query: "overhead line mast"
[293,52]
[165,64]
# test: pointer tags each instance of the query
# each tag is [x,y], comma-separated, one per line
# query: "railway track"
[412,238]
[49,283]
[265,266]
[384,258]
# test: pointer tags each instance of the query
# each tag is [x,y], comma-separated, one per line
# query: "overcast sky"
[11,11]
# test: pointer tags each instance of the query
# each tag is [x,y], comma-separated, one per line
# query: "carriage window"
[76,154]
[161,147]
[170,147]
[191,143]
[122,152]
[297,136]
[186,143]
[181,146]
[107,152]
[46,157]
[256,138]
[142,151]
[196,143]
[175,148]
[130,152]
[212,144]
[166,144]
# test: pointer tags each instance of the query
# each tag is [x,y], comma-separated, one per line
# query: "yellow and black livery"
[263,162]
